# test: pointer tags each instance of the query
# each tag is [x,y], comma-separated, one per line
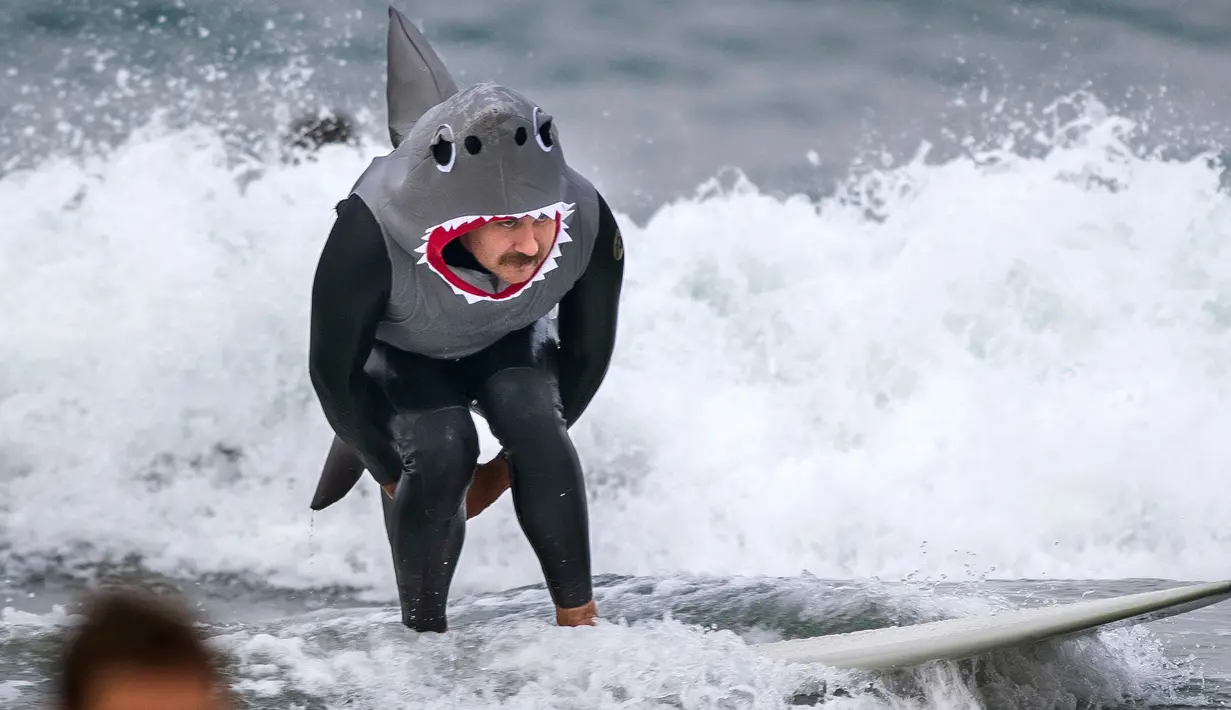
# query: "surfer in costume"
[471,269]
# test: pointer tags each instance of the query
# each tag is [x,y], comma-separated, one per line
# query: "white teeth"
[560,210]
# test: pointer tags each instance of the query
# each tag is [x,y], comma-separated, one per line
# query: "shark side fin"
[416,78]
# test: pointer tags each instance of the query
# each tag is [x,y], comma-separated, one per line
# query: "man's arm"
[349,295]
[587,320]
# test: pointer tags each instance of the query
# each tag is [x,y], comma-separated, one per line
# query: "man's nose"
[523,238]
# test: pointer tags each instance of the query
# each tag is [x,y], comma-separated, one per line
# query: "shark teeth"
[452,228]
[468,222]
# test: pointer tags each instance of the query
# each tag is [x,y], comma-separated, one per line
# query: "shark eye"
[542,130]
[442,148]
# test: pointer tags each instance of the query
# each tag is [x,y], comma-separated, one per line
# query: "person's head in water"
[135,652]
[512,248]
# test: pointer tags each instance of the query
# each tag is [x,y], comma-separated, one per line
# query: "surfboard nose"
[341,472]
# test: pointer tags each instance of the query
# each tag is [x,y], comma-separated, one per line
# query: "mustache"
[518,259]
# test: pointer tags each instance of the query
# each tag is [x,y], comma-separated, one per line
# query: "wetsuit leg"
[518,394]
[429,420]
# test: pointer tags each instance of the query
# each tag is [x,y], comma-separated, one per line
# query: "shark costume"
[409,333]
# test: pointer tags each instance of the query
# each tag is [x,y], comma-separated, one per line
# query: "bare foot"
[577,616]
[491,480]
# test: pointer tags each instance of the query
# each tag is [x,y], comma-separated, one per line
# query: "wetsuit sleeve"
[587,320]
[349,294]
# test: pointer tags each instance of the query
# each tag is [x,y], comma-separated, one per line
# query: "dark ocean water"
[1004,362]
[656,96]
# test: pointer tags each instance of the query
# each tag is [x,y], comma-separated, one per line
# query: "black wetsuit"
[408,415]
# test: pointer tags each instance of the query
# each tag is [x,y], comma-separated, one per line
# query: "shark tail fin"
[340,473]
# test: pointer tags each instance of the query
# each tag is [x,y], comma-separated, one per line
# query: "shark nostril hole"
[520,135]
[473,145]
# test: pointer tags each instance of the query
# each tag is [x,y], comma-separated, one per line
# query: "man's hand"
[491,480]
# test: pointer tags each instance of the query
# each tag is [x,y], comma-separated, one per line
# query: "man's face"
[513,248]
[148,689]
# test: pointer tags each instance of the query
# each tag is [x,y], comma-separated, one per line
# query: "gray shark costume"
[410,333]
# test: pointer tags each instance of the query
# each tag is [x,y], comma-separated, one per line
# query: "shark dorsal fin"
[416,79]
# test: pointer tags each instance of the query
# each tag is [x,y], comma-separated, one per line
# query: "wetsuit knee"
[522,401]
[439,452]
[523,408]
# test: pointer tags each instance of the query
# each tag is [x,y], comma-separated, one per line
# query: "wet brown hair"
[129,629]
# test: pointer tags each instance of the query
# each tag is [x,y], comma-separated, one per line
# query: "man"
[471,268]
[134,652]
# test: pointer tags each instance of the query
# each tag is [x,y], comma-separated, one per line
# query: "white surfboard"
[955,639]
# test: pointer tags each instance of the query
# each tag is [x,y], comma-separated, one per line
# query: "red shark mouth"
[435,238]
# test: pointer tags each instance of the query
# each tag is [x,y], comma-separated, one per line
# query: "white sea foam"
[1009,368]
